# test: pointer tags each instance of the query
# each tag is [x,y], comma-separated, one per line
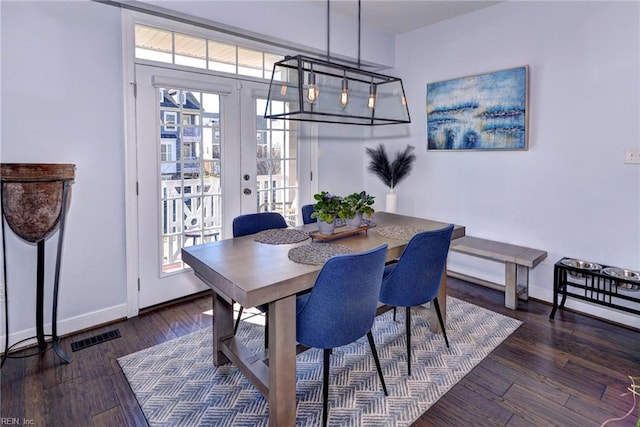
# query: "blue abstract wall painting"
[482,112]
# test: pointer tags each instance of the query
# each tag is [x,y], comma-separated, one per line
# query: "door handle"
[247,191]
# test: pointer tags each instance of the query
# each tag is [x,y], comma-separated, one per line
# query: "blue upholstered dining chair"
[415,278]
[307,210]
[341,307]
[253,223]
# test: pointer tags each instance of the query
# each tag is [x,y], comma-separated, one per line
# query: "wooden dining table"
[253,273]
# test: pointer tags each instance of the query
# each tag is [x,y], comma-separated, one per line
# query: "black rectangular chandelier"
[308,89]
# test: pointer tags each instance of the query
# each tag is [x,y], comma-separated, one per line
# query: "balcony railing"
[192,214]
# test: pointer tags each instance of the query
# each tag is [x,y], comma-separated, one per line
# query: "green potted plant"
[354,207]
[326,210]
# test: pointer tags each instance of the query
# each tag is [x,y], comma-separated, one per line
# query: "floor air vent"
[88,342]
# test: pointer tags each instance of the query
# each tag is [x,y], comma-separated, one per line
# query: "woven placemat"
[317,253]
[281,236]
[399,232]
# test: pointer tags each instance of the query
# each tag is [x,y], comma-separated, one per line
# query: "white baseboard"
[67,326]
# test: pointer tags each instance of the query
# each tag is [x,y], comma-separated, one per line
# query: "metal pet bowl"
[621,273]
[582,265]
[628,286]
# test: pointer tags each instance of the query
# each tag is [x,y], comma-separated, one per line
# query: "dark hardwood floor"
[570,372]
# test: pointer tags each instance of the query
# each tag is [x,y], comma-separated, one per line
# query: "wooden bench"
[517,261]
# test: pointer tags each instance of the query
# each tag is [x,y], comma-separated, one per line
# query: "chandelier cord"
[328,28]
[359,30]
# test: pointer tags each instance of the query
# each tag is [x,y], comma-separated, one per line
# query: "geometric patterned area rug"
[176,383]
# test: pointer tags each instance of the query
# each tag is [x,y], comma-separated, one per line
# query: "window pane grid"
[276,161]
[171,47]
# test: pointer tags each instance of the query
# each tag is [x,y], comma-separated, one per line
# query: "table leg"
[434,325]
[42,344]
[282,362]
[56,281]
[222,327]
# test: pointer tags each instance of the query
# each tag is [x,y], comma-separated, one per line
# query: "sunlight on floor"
[250,315]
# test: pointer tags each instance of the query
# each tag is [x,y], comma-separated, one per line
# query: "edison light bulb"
[312,91]
[371,103]
[344,93]
[312,94]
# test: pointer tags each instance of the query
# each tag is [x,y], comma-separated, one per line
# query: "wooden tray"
[339,233]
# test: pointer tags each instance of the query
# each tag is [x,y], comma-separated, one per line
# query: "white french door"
[205,154]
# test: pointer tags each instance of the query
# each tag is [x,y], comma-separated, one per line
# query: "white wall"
[62,103]
[340,159]
[569,194]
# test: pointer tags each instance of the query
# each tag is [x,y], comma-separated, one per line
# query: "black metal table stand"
[40,335]
[559,287]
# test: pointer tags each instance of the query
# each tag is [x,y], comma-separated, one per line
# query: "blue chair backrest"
[416,278]
[342,305]
[307,210]
[255,222]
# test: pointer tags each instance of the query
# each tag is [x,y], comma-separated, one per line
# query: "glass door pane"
[277,164]
[178,182]
[190,190]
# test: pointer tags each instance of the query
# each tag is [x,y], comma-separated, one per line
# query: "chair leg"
[444,332]
[235,329]
[372,344]
[325,386]
[408,328]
